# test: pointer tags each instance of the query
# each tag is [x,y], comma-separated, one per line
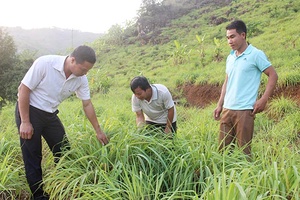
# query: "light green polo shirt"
[244,74]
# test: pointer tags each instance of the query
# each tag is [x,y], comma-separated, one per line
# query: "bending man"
[153,105]
[49,81]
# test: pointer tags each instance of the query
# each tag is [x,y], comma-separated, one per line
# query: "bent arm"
[140,119]
[260,105]
[171,113]
[272,80]
[91,115]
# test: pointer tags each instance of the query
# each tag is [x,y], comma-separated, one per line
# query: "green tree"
[16,74]
[7,61]
[12,67]
[115,35]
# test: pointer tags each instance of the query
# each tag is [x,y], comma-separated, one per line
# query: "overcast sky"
[95,16]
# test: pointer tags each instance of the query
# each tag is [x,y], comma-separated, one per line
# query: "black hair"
[139,81]
[239,25]
[84,53]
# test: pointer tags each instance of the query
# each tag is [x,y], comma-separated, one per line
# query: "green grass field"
[138,164]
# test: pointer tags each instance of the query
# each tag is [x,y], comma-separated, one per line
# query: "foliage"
[157,14]
[218,50]
[12,67]
[282,106]
[201,49]
[150,55]
[15,76]
[7,61]
[114,35]
[99,82]
[180,55]
[138,164]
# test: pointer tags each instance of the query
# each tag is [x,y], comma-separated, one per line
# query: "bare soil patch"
[203,95]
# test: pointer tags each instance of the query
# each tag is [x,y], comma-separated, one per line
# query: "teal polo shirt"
[244,75]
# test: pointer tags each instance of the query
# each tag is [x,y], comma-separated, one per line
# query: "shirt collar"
[154,92]
[247,50]
[59,65]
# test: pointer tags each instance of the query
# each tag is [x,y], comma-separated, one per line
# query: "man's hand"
[167,130]
[26,130]
[217,112]
[259,105]
[102,138]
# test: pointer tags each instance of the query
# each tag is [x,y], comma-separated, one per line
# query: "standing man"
[153,105]
[244,67]
[49,81]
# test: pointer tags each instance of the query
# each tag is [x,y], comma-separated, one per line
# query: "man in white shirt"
[153,105]
[50,80]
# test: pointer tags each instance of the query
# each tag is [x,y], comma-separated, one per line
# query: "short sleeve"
[168,101]
[262,61]
[83,92]
[135,105]
[35,74]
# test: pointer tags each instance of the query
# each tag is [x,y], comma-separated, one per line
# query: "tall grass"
[142,164]
[12,177]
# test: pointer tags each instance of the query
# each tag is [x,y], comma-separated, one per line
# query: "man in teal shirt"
[238,101]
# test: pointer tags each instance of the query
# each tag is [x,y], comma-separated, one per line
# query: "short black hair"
[84,53]
[139,81]
[239,25]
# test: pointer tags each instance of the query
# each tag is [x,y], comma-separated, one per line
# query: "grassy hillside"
[138,164]
[272,27]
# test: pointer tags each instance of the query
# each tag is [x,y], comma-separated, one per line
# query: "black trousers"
[50,127]
[162,127]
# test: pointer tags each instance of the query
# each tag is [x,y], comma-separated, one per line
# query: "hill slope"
[49,40]
[176,56]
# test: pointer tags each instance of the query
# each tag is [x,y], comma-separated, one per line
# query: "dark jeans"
[161,127]
[50,127]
